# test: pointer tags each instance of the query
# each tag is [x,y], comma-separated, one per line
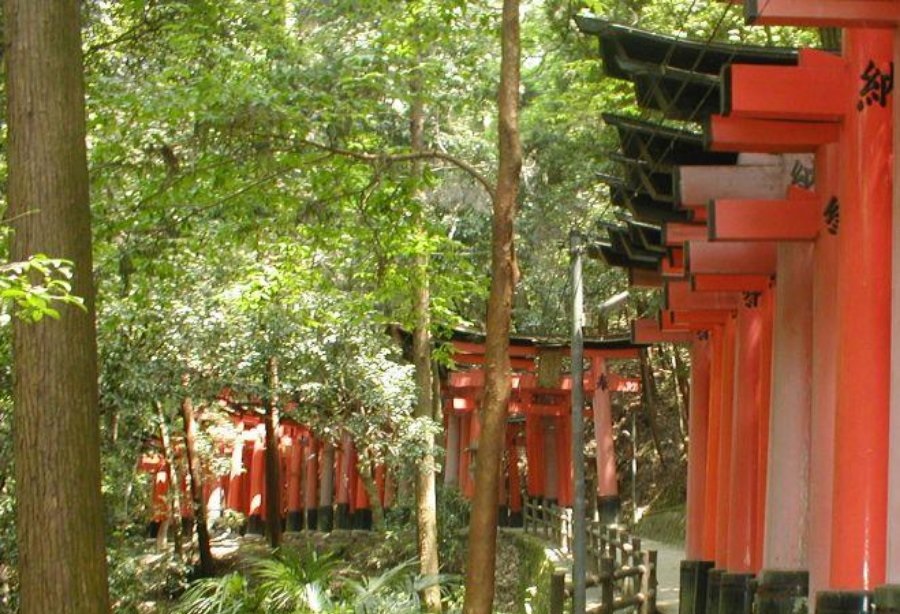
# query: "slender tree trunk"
[480,566]
[207,565]
[650,397]
[682,392]
[273,461]
[174,485]
[426,495]
[62,558]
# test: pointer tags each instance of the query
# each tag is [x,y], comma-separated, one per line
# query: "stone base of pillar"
[502,516]
[342,516]
[312,519]
[516,520]
[782,592]
[294,521]
[713,583]
[844,602]
[256,525]
[736,592]
[887,598]
[609,509]
[692,594]
[326,519]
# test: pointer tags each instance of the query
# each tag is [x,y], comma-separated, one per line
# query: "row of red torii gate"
[322,482]
[775,236]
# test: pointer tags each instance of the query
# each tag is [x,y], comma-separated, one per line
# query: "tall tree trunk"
[62,557]
[273,461]
[207,565]
[483,524]
[174,518]
[426,494]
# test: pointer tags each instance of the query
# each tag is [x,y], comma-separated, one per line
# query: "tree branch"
[395,158]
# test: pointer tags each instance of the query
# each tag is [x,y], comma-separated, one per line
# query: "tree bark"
[62,558]
[273,461]
[426,494]
[480,566]
[650,397]
[207,565]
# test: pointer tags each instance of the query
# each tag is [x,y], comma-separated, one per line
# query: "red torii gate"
[535,411]
[828,248]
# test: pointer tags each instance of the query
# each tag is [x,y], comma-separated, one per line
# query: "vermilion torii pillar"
[855,91]
[608,503]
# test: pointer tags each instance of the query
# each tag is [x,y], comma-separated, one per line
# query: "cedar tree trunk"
[62,557]
[483,525]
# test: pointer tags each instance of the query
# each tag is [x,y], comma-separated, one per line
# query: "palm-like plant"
[295,582]
[396,591]
[230,594]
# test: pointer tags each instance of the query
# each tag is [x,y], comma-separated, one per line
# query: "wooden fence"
[625,573]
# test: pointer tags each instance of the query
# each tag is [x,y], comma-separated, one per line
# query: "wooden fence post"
[607,583]
[557,591]
[648,582]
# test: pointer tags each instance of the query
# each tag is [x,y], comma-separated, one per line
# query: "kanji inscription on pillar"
[877,86]
[832,215]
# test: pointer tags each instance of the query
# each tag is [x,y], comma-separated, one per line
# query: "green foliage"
[304,582]
[295,581]
[535,572]
[229,594]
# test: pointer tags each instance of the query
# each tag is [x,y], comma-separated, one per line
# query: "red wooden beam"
[806,93]
[468,347]
[823,13]
[693,319]
[797,218]
[768,136]
[679,295]
[671,271]
[755,258]
[675,234]
[729,283]
[643,278]
[479,359]
[647,330]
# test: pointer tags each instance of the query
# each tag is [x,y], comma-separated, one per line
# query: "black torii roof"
[661,145]
[677,76]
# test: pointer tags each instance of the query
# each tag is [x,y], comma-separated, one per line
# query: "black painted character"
[877,86]
[832,215]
